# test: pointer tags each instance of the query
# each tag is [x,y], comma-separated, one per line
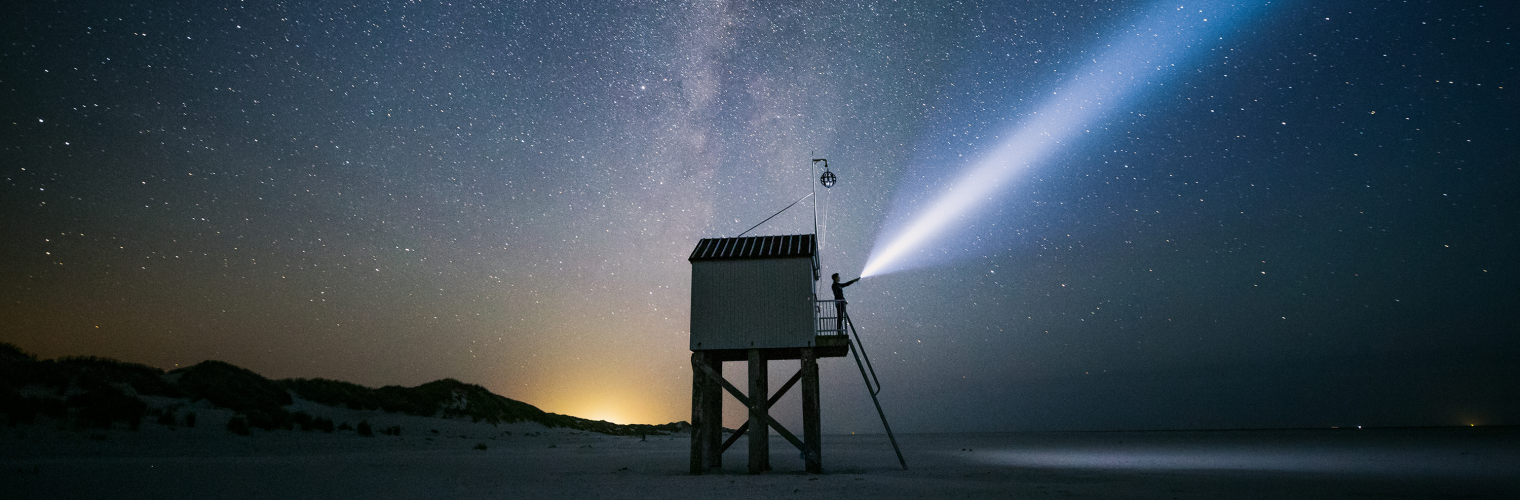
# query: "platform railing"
[829,320]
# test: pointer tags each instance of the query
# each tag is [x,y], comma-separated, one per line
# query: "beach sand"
[531,461]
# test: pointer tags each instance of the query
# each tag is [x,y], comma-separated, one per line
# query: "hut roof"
[755,247]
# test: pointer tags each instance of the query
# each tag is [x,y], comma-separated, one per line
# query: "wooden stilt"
[812,431]
[699,427]
[706,412]
[759,410]
[759,427]
[714,410]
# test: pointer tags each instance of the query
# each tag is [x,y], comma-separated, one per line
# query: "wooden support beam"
[699,382]
[812,431]
[713,400]
[784,433]
[759,435]
[706,412]
[738,433]
[746,401]
[728,386]
[784,387]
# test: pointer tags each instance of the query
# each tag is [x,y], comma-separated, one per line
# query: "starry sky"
[1305,218]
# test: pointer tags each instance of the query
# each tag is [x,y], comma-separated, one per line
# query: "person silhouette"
[839,302]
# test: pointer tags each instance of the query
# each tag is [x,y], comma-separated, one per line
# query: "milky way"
[1310,224]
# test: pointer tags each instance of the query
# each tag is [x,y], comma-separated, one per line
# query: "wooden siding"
[752,303]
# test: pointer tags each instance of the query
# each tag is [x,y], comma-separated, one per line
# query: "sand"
[531,461]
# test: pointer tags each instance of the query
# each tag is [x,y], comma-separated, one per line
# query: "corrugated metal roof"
[754,247]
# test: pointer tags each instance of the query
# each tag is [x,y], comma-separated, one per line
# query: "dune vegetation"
[102,393]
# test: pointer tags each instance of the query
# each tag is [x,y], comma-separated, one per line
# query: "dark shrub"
[143,379]
[425,400]
[9,352]
[364,429]
[167,418]
[190,419]
[20,410]
[239,425]
[270,419]
[333,392]
[232,387]
[301,419]
[345,427]
[323,424]
[480,404]
[101,408]
[19,369]
[17,410]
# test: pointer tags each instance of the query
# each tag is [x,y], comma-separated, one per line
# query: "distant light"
[1186,453]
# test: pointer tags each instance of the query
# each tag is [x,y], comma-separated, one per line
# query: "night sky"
[1302,216]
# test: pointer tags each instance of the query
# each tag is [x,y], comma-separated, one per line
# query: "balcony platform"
[824,346]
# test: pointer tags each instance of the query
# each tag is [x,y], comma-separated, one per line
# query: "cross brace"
[761,411]
[774,398]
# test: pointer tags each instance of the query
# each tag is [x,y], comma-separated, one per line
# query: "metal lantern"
[827,179]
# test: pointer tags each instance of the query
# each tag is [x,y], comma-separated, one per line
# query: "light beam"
[1156,43]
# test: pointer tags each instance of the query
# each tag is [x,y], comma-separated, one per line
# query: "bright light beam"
[1153,47]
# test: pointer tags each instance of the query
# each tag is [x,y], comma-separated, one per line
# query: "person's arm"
[851,282]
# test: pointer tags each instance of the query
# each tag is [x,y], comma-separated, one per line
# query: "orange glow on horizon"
[606,394]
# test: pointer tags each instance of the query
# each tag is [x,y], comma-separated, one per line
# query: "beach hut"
[753,300]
